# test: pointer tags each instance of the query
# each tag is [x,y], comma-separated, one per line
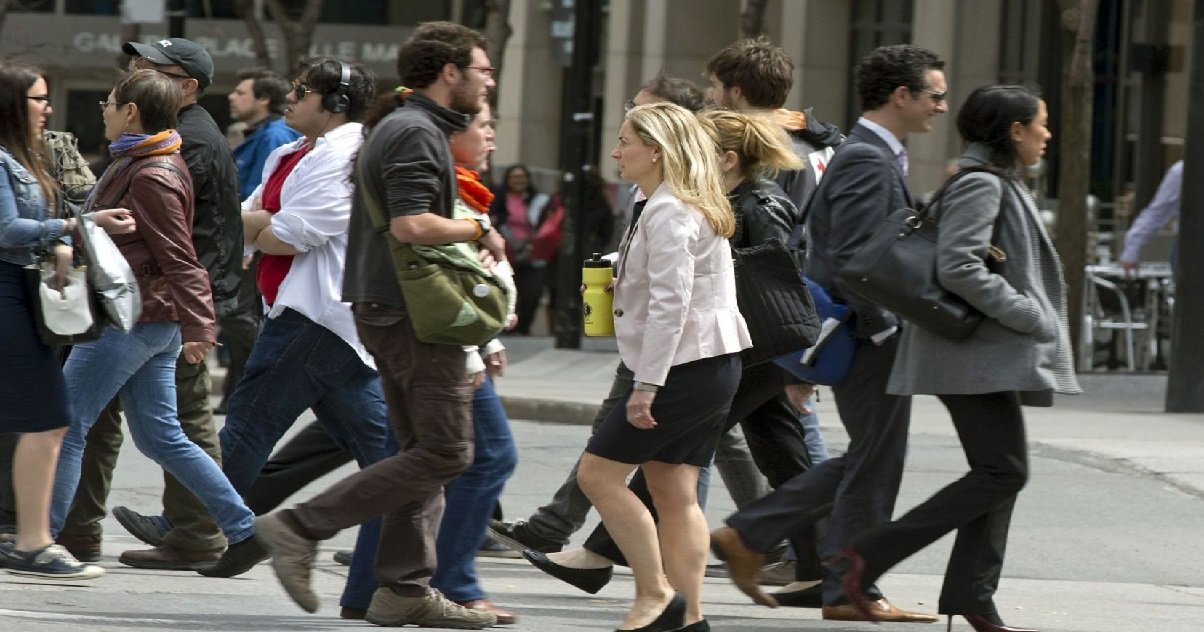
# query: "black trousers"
[855,490]
[979,505]
[8,499]
[308,456]
[775,440]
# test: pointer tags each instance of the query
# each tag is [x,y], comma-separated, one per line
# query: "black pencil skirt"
[690,411]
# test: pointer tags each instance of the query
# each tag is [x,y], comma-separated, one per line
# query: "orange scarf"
[474,193]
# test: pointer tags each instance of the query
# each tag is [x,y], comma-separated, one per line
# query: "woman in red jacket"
[530,222]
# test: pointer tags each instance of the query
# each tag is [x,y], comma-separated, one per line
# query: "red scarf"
[472,191]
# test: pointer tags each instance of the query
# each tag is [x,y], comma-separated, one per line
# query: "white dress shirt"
[315,209]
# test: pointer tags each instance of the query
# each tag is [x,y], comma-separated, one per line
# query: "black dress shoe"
[142,527]
[238,559]
[591,580]
[517,536]
[700,625]
[344,557]
[812,597]
[671,619]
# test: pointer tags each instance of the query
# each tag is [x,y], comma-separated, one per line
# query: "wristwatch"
[644,386]
[483,224]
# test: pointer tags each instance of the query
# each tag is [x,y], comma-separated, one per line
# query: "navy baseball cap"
[177,51]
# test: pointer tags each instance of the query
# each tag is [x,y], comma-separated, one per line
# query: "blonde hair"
[691,160]
[761,145]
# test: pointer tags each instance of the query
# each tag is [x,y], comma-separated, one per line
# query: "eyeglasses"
[484,70]
[301,90]
[937,96]
[43,99]
[104,105]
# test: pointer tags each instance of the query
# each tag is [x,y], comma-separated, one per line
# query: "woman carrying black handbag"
[1020,354]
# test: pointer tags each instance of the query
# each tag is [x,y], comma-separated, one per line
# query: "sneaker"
[149,529]
[518,536]
[432,610]
[49,562]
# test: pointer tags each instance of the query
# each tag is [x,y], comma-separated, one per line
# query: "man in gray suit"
[902,89]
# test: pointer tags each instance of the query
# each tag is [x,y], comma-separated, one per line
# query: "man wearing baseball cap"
[185,537]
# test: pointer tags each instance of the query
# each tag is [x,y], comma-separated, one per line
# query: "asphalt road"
[1095,546]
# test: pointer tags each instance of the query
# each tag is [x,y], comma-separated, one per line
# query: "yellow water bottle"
[597,302]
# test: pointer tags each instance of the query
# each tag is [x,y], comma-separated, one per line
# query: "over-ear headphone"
[338,102]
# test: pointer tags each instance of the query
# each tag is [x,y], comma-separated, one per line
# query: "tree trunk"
[498,30]
[752,18]
[298,34]
[246,10]
[1078,24]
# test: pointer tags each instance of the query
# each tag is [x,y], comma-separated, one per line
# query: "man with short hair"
[186,538]
[405,168]
[902,89]
[257,102]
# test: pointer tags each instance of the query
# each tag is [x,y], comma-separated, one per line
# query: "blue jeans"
[295,365]
[140,366]
[471,497]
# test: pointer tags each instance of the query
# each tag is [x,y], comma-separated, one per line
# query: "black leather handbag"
[774,301]
[896,269]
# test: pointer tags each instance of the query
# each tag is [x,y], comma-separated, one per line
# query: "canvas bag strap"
[404,255]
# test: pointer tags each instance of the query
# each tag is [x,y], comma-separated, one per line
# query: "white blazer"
[675,296]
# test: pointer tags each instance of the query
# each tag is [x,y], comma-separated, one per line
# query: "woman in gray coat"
[1008,270]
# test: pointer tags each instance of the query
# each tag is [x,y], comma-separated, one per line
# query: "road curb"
[552,411]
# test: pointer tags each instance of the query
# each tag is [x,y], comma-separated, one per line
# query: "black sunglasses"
[301,90]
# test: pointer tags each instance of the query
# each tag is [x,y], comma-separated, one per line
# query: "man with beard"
[408,168]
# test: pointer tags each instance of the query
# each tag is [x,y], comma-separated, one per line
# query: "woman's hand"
[495,363]
[115,221]
[495,244]
[639,410]
[195,352]
[62,263]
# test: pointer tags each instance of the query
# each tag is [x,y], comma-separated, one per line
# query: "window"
[85,121]
[31,6]
[93,7]
[223,9]
[874,23]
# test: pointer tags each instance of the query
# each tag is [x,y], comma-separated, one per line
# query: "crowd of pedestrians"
[336,168]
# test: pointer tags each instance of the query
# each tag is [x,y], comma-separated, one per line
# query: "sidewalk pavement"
[1117,423]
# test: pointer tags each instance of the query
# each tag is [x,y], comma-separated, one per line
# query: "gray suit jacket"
[1024,343]
[862,185]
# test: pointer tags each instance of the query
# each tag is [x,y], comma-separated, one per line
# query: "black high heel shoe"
[851,583]
[671,619]
[986,623]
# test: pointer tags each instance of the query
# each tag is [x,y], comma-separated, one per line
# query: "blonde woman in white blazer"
[680,332]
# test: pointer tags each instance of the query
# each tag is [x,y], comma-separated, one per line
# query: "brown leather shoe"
[169,558]
[85,548]
[504,617]
[743,564]
[883,610]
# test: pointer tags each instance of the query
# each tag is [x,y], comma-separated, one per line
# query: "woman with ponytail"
[149,182]
[471,497]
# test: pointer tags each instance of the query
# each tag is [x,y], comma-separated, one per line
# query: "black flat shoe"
[591,580]
[700,625]
[671,619]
